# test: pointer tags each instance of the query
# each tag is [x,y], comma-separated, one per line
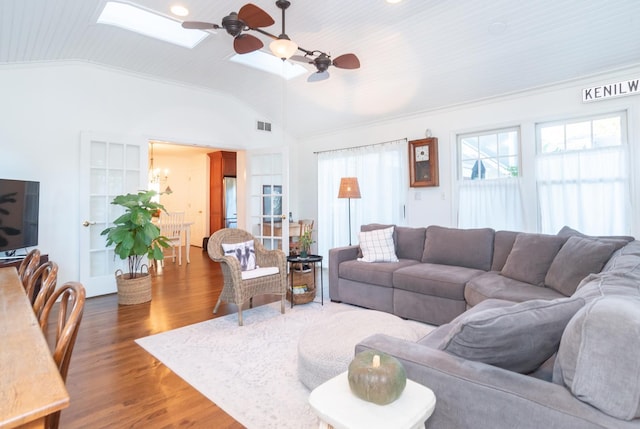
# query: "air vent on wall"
[264,126]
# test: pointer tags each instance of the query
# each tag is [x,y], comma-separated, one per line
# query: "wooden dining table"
[30,384]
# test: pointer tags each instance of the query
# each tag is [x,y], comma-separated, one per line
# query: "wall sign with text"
[611,90]
[423,162]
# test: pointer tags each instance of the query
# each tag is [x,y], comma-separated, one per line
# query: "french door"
[268,197]
[110,166]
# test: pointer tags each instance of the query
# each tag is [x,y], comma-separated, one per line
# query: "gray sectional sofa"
[535,330]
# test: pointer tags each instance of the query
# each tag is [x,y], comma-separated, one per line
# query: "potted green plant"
[305,241]
[136,236]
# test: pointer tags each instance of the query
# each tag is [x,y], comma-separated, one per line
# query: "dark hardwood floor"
[114,383]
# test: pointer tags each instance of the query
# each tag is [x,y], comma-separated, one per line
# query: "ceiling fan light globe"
[283,48]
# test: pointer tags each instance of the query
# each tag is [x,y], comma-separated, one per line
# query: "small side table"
[339,408]
[313,260]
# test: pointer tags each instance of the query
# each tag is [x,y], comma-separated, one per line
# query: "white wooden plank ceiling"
[415,56]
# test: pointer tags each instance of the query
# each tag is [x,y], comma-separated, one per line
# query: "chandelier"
[157,176]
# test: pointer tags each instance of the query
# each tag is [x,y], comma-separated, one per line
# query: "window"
[582,175]
[381,170]
[490,154]
[489,186]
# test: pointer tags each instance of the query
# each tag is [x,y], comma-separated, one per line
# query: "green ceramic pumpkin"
[376,377]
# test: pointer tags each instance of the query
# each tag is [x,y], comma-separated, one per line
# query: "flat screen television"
[19,206]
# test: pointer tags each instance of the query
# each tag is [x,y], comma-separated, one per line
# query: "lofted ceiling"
[416,55]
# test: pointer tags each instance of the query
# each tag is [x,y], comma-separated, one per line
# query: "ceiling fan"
[322,62]
[251,17]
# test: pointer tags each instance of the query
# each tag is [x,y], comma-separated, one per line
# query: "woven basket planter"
[133,291]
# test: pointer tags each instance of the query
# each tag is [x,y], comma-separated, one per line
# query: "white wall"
[436,205]
[189,182]
[44,108]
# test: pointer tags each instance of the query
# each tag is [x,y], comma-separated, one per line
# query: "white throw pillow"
[378,246]
[243,252]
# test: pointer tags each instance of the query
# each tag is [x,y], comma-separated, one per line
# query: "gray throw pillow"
[409,242]
[531,257]
[518,338]
[470,248]
[578,258]
[598,356]
[566,231]
[502,245]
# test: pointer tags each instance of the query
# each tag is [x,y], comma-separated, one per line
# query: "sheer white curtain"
[587,190]
[495,203]
[381,170]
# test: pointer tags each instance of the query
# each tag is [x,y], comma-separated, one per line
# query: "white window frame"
[490,202]
[577,174]
[498,155]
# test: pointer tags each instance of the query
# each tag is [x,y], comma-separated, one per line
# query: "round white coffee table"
[338,407]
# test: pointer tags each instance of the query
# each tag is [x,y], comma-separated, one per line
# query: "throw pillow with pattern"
[243,252]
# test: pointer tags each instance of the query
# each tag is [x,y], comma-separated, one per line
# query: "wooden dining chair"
[41,284]
[171,226]
[62,338]
[28,265]
[294,245]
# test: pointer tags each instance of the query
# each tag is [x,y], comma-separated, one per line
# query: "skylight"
[150,24]
[266,62]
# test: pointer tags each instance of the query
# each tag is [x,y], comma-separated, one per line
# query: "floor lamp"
[349,188]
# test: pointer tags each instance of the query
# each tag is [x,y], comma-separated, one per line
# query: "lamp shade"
[283,48]
[349,188]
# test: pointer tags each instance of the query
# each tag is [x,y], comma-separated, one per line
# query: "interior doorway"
[184,170]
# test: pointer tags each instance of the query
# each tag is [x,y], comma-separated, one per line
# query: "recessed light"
[497,27]
[150,24]
[179,10]
[393,1]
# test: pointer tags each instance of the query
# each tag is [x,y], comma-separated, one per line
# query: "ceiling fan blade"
[255,17]
[318,76]
[301,59]
[198,25]
[347,61]
[245,43]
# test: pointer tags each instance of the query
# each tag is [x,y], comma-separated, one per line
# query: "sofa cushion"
[566,231]
[374,226]
[577,258]
[494,285]
[443,281]
[434,338]
[375,273]
[409,242]
[625,258]
[378,246]
[609,283]
[502,245]
[598,356]
[518,338]
[531,257]
[471,248]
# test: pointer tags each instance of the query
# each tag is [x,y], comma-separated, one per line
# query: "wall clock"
[423,162]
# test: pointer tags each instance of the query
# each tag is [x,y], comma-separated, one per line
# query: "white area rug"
[250,371]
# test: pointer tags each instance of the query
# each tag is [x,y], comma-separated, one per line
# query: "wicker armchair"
[237,290]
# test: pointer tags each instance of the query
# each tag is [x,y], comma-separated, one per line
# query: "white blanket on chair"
[259,272]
